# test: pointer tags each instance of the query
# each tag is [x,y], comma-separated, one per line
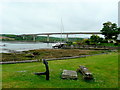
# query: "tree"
[87,42]
[94,39]
[110,30]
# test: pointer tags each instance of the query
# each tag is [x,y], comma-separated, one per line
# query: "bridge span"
[65,33]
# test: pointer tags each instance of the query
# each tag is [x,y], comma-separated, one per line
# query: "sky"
[119,14]
[44,16]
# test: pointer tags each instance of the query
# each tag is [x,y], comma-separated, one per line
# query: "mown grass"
[104,68]
[109,44]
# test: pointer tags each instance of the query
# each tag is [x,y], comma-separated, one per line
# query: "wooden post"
[85,72]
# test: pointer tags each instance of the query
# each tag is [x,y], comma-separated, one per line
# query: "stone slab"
[69,74]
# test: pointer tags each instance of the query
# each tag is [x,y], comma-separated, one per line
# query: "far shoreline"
[28,41]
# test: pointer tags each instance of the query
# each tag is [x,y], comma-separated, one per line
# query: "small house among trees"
[118,38]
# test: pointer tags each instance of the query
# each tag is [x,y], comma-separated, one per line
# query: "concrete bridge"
[48,34]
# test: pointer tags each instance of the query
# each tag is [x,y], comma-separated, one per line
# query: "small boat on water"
[58,45]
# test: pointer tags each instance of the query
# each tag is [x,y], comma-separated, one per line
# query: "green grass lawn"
[104,69]
[0,77]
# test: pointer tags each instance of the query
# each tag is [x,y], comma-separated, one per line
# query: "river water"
[7,47]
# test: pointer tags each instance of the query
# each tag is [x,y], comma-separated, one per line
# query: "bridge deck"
[65,33]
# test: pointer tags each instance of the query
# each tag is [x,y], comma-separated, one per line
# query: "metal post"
[46,72]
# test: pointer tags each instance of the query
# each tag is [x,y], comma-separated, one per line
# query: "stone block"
[68,74]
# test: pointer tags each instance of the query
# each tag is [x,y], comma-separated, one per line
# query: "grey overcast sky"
[43,16]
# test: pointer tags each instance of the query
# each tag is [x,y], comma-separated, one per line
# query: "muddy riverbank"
[47,54]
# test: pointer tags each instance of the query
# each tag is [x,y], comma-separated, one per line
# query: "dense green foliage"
[103,67]
[110,30]
[95,39]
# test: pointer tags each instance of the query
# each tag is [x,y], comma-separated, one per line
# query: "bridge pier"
[23,37]
[66,37]
[34,39]
[48,38]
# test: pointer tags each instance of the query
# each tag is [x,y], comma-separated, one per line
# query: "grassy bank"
[104,68]
[47,53]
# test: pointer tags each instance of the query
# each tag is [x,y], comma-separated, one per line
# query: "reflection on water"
[6,47]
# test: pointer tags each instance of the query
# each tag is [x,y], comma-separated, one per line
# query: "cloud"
[59,1]
[41,17]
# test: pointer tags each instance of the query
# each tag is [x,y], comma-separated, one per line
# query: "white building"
[118,38]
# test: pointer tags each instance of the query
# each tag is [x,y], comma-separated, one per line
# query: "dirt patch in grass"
[47,53]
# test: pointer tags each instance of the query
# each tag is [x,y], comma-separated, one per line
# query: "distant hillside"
[12,37]
[6,38]
[9,37]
